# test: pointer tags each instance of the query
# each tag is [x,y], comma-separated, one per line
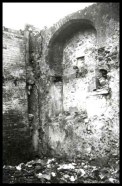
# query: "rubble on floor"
[60,171]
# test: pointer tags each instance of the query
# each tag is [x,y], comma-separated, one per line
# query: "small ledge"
[98,92]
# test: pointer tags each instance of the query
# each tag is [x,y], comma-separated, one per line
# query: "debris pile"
[59,171]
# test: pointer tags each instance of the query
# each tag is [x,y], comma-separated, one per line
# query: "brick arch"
[69,27]
[64,32]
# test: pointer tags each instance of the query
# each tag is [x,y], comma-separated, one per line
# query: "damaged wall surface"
[16,137]
[84,125]
[72,80]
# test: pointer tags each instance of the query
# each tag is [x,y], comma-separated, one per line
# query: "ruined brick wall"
[16,136]
[72,76]
[90,124]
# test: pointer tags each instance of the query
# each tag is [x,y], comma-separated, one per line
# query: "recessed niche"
[56,79]
[103,73]
[80,61]
[102,81]
[15,82]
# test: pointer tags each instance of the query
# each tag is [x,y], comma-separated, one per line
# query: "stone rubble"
[60,171]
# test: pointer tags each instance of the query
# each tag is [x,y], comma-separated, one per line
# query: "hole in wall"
[81,58]
[103,73]
[57,79]
[80,61]
[15,82]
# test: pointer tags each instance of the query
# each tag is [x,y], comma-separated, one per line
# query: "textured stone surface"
[16,136]
[82,45]
[94,92]
[72,76]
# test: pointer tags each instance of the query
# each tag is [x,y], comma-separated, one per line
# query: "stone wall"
[79,68]
[16,134]
[72,78]
[88,121]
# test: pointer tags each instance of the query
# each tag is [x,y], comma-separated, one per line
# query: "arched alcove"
[60,37]
[72,45]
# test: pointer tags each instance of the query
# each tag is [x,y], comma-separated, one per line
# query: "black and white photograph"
[61,92]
